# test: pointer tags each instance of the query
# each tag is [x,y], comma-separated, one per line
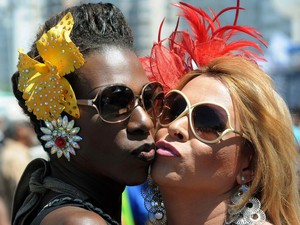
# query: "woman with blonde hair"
[225,147]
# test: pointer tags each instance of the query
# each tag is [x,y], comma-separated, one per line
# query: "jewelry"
[249,214]
[243,179]
[45,90]
[61,137]
[154,203]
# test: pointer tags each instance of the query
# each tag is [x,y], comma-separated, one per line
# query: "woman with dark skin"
[83,184]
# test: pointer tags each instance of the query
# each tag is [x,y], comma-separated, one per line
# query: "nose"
[179,129]
[139,121]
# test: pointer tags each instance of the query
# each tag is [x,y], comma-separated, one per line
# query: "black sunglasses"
[209,121]
[115,103]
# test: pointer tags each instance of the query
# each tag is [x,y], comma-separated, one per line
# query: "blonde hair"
[265,119]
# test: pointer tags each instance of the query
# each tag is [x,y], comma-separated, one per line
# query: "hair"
[96,26]
[265,119]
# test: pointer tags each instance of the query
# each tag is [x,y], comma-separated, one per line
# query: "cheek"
[215,161]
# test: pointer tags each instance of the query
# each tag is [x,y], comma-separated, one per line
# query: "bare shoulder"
[71,215]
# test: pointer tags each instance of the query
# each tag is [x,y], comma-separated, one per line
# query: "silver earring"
[153,203]
[249,214]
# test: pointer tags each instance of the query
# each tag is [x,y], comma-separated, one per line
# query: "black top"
[34,184]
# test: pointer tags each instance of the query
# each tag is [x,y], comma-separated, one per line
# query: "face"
[121,151]
[183,161]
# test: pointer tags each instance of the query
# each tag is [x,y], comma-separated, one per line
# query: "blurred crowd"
[18,146]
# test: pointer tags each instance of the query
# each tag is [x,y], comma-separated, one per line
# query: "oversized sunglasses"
[209,121]
[115,103]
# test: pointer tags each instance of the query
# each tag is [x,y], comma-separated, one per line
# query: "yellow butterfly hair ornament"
[46,92]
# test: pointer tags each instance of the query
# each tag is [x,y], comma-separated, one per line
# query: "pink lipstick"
[165,149]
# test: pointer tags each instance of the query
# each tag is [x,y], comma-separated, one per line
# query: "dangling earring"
[153,203]
[249,214]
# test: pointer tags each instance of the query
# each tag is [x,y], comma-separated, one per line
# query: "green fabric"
[127,216]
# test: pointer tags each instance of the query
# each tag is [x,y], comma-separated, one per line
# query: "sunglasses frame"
[189,110]
[91,102]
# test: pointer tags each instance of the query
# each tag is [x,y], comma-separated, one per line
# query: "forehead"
[110,66]
[208,89]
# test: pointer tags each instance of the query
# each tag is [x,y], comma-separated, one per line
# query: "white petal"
[49,125]
[70,125]
[75,130]
[59,121]
[49,144]
[67,155]
[76,138]
[46,130]
[59,153]
[71,150]
[54,123]
[46,137]
[65,122]
[54,149]
[74,144]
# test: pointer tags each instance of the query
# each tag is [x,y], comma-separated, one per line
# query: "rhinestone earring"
[61,137]
[154,203]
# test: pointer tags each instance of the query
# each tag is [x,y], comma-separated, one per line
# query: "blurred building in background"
[21,18]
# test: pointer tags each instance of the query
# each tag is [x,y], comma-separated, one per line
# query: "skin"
[4,220]
[107,159]
[205,174]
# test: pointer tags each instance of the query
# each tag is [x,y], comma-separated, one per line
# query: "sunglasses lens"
[153,97]
[174,105]
[116,103]
[209,121]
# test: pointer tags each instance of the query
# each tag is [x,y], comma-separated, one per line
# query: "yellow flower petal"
[42,68]
[46,93]
[56,47]
[26,67]
[46,98]
[70,101]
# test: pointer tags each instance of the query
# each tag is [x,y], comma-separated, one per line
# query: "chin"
[164,175]
[136,178]
[158,175]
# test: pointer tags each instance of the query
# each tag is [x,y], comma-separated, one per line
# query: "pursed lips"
[165,149]
[145,152]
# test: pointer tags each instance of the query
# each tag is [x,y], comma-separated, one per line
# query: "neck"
[186,209]
[102,191]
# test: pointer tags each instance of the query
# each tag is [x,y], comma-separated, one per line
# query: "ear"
[246,173]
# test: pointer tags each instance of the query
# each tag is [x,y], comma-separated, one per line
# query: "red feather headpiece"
[207,41]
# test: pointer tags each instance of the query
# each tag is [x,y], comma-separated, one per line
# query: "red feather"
[172,57]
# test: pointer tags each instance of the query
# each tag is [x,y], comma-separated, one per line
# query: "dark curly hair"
[95,26]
